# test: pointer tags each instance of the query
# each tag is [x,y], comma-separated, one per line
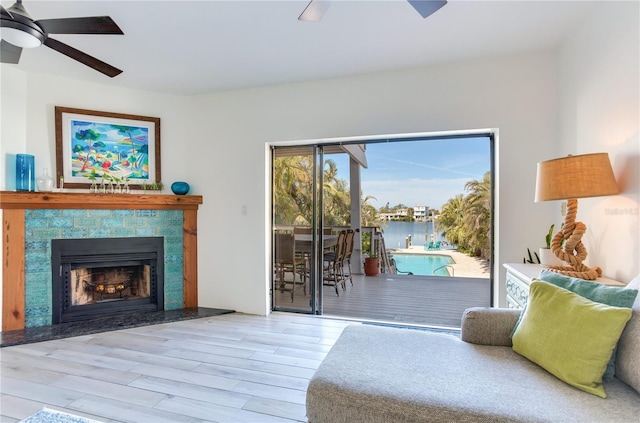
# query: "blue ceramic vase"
[25,172]
[180,188]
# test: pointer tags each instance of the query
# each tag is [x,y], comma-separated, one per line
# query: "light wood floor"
[230,368]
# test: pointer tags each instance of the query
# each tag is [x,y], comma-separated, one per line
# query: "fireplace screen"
[99,277]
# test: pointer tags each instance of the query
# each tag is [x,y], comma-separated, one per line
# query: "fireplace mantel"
[14,205]
[72,200]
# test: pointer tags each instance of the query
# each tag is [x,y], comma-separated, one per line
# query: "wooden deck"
[401,299]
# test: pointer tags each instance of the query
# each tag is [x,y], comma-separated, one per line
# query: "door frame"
[491,133]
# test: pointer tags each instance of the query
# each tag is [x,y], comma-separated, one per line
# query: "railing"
[449,267]
[375,247]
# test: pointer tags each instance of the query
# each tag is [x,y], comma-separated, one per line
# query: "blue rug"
[454,332]
[47,415]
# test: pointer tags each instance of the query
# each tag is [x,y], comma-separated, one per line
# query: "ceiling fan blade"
[5,13]
[9,53]
[88,25]
[82,57]
[427,7]
[314,11]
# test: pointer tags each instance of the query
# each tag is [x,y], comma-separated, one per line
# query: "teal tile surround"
[43,225]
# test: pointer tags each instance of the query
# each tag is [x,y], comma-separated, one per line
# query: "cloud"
[450,168]
[414,191]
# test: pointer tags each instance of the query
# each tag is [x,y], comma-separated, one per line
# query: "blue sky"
[420,172]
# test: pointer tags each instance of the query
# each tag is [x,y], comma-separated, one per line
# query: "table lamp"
[569,178]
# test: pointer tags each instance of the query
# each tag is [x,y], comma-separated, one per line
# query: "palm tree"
[451,221]
[293,194]
[292,189]
[369,217]
[466,221]
[337,199]
[478,215]
[369,213]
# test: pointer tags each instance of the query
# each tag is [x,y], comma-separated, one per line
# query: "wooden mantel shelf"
[85,200]
[14,205]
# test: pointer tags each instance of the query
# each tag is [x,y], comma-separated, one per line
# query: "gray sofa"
[380,374]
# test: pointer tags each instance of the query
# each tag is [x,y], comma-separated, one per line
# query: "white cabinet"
[519,277]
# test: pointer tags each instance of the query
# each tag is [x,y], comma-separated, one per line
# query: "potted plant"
[547,257]
[371,265]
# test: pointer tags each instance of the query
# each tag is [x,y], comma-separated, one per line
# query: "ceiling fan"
[316,9]
[19,30]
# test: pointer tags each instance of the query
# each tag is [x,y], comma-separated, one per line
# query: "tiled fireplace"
[34,222]
[43,226]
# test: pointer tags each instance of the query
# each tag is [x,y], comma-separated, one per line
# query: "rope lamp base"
[573,251]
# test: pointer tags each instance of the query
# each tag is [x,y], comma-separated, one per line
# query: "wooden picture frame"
[94,144]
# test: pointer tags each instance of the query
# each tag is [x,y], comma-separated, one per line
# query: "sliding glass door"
[297,228]
[421,204]
[313,223]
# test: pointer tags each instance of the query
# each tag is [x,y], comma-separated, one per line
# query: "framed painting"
[92,145]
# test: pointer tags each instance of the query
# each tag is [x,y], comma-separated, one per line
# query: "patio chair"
[288,261]
[333,274]
[348,250]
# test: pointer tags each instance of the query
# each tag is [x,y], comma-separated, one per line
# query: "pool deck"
[464,266]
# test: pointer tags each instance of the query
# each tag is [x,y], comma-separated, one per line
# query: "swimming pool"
[423,264]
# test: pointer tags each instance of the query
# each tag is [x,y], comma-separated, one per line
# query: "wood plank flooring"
[417,300]
[229,368]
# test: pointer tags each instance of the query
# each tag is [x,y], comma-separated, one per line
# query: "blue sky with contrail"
[420,172]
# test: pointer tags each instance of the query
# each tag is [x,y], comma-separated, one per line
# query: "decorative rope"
[573,252]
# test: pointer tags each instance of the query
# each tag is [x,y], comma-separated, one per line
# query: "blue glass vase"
[25,172]
[180,188]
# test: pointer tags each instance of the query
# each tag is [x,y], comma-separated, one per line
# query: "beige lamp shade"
[586,175]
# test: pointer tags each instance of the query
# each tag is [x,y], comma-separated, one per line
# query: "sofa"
[385,374]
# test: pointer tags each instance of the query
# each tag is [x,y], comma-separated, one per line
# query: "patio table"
[303,242]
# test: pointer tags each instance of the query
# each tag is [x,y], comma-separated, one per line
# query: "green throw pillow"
[609,295]
[569,336]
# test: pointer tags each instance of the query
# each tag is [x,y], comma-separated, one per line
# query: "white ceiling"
[195,47]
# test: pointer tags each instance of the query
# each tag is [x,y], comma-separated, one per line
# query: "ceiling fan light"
[19,38]
[314,11]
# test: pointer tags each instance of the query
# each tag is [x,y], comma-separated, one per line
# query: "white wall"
[600,112]
[13,125]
